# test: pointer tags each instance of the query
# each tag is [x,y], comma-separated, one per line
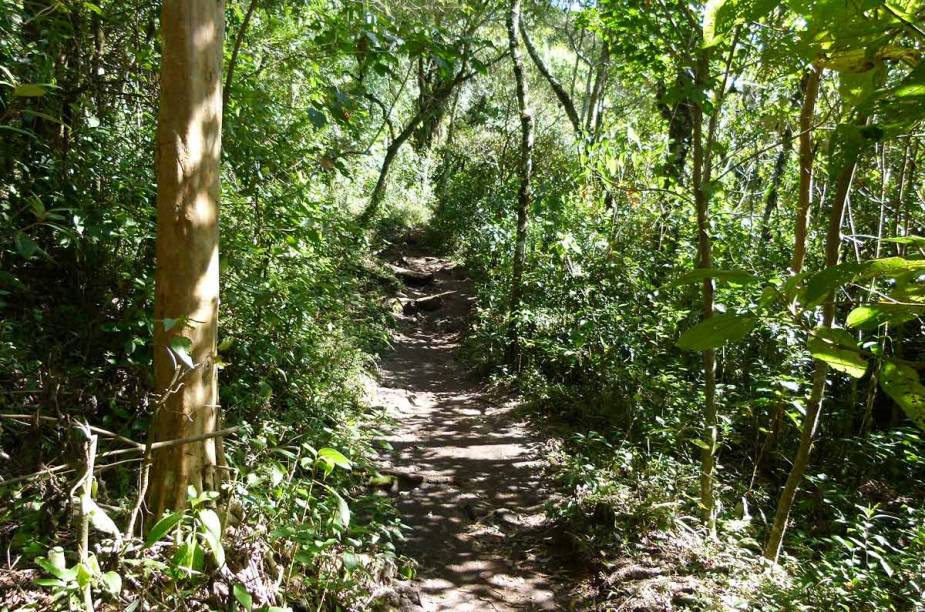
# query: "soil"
[469,475]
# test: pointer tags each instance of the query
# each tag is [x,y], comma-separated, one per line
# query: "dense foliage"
[717,311]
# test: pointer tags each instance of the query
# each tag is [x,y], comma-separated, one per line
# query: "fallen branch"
[412,277]
[428,303]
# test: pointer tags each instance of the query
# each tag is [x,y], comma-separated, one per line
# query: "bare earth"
[469,478]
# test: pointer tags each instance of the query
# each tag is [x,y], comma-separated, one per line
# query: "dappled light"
[469,475]
[462,305]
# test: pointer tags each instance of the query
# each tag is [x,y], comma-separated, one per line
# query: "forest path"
[469,478]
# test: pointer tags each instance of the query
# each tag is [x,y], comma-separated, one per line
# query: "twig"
[154,446]
[97,430]
[83,543]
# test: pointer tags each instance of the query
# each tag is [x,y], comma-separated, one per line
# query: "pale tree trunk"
[187,289]
[814,405]
[703,146]
[807,157]
[597,91]
[525,168]
[564,98]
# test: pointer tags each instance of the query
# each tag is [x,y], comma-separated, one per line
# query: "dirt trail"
[469,478]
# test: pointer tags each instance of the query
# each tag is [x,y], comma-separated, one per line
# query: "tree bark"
[597,91]
[701,178]
[439,97]
[807,156]
[773,193]
[564,98]
[525,168]
[233,62]
[814,405]
[186,279]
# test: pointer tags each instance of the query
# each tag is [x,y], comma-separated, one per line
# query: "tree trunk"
[187,288]
[233,62]
[773,193]
[564,98]
[813,406]
[438,98]
[701,178]
[597,92]
[807,156]
[525,168]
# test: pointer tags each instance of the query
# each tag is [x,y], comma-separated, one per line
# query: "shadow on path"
[469,478]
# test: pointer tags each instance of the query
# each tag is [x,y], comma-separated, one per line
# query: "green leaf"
[112,582]
[189,556]
[837,348]
[55,565]
[334,457]
[26,246]
[740,277]
[716,331]
[918,241]
[210,521]
[343,510]
[98,517]
[824,283]
[180,346]
[29,90]
[84,575]
[277,474]
[244,598]
[162,527]
[870,316]
[901,383]
[215,546]
[890,267]
[351,560]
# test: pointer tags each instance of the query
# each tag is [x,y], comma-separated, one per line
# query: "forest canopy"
[263,263]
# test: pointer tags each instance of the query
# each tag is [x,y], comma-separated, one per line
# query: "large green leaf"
[837,348]
[870,316]
[112,582]
[189,556]
[162,527]
[29,90]
[890,267]
[215,546]
[210,521]
[334,457]
[917,241]
[716,331]
[901,383]
[822,284]
[243,597]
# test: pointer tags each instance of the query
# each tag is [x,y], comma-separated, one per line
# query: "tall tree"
[187,285]
[568,105]
[807,158]
[843,182]
[525,168]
